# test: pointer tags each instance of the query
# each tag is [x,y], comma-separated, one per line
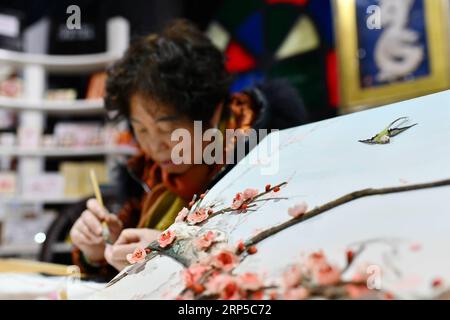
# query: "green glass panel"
[279,19]
[234,12]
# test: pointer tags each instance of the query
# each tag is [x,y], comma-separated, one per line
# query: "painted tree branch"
[255,199]
[278,186]
[154,247]
[340,201]
[204,287]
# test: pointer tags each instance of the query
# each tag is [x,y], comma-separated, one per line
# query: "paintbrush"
[98,196]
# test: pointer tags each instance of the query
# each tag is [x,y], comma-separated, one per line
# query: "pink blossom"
[250,281]
[273,295]
[182,215]
[437,282]
[225,286]
[292,277]
[205,240]
[356,291]
[359,289]
[230,291]
[298,210]
[53,295]
[415,247]
[225,260]
[299,293]
[188,295]
[216,283]
[256,295]
[350,255]
[138,255]
[166,238]
[198,215]
[238,201]
[388,296]
[193,274]
[326,275]
[315,260]
[252,250]
[250,193]
[240,246]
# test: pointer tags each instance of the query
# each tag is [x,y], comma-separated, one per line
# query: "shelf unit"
[32,110]
[29,200]
[60,64]
[60,152]
[77,107]
[31,250]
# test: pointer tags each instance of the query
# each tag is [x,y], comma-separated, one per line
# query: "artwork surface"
[303,232]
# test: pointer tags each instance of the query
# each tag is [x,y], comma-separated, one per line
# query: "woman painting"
[165,82]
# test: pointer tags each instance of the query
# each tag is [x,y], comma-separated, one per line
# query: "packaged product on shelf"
[109,133]
[43,186]
[72,180]
[48,141]
[79,134]
[76,177]
[7,119]
[8,183]
[29,137]
[61,94]
[26,224]
[1,224]
[11,87]
[7,139]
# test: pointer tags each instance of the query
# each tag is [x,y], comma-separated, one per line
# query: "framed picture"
[391,50]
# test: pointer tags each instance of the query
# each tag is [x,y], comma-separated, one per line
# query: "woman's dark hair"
[179,67]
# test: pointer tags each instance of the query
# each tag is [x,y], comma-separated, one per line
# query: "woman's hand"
[86,232]
[128,240]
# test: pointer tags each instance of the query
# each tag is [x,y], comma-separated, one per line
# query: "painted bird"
[384,136]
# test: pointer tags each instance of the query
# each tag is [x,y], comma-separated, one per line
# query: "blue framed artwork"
[391,50]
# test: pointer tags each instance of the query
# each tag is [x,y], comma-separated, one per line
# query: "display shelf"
[83,107]
[62,64]
[59,152]
[31,249]
[30,200]
[32,110]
